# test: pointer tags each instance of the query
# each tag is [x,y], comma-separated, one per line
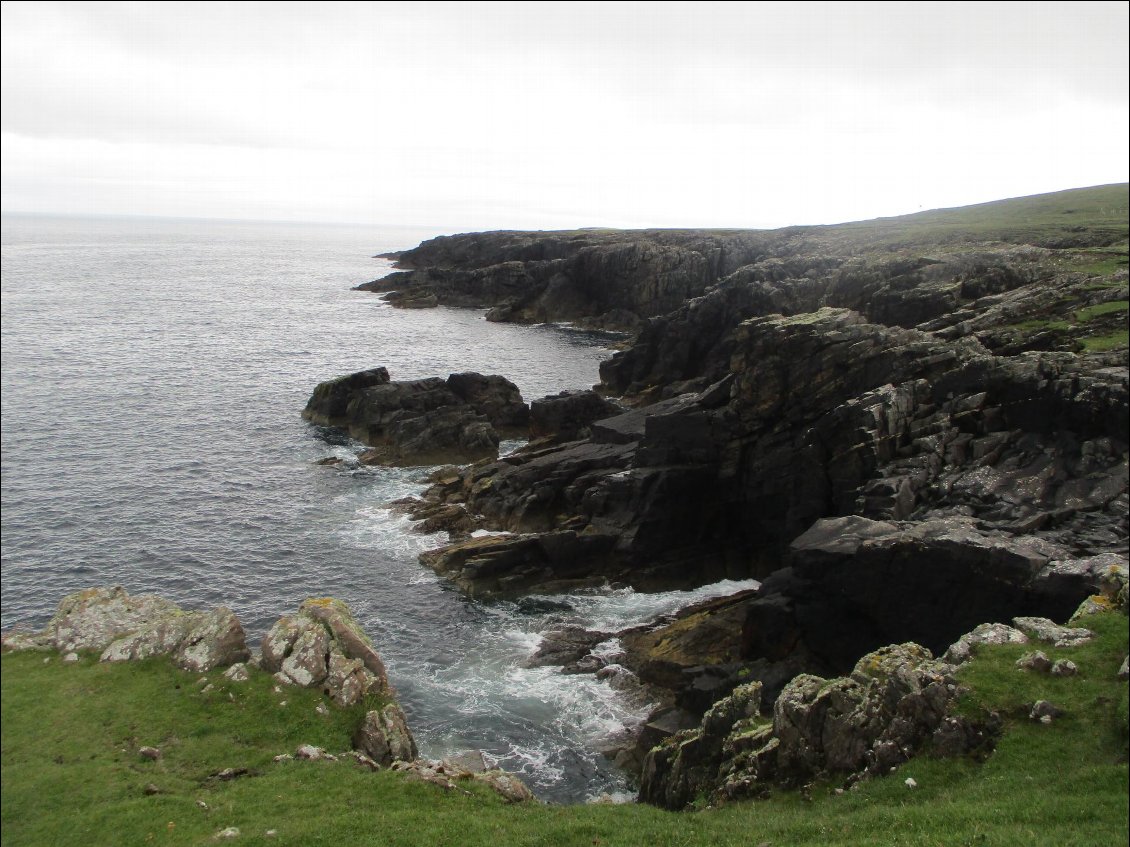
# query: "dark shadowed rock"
[421,421]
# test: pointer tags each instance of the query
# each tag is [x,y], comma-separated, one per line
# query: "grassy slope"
[1079,217]
[71,773]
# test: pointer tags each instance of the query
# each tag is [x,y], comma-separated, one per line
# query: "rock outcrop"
[894,701]
[904,428]
[322,646]
[125,628]
[421,421]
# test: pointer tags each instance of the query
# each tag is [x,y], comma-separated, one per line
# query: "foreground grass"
[72,775]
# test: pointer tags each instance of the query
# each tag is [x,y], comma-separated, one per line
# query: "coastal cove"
[822,470]
[154,372]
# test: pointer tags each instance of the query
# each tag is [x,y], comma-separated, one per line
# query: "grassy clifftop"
[73,774]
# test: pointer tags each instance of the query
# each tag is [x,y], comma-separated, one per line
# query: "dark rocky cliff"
[905,427]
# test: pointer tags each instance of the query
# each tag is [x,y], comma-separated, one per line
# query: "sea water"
[153,375]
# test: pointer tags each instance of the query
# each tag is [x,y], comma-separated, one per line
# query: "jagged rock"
[421,421]
[1049,632]
[894,702]
[197,641]
[91,619]
[565,647]
[323,646]
[1035,661]
[961,651]
[384,736]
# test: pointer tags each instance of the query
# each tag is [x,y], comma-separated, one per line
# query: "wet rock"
[566,646]
[568,415]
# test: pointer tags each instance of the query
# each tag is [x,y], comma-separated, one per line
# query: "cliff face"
[905,427]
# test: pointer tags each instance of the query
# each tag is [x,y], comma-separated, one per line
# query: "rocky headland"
[904,428]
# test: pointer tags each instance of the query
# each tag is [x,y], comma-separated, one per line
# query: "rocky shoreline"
[903,428]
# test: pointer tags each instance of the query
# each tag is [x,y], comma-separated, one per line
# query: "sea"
[153,375]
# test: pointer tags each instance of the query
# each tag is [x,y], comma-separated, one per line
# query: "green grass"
[72,776]
[1109,308]
[1103,343]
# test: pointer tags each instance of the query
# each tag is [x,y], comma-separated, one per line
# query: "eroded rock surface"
[124,628]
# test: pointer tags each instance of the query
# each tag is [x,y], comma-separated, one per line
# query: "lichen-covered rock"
[1064,667]
[91,619]
[323,646]
[1050,632]
[895,701]
[237,673]
[384,736]
[197,641]
[961,651]
[126,628]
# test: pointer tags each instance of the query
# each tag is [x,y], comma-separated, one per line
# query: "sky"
[469,116]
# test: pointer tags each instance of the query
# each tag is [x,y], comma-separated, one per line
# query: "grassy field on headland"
[72,773]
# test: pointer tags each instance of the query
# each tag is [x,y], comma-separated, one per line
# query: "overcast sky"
[535,115]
